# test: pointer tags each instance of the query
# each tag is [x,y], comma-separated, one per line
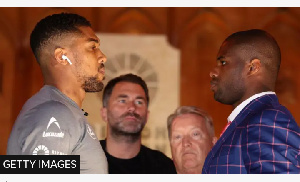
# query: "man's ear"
[254,66]
[103,112]
[58,53]
[148,112]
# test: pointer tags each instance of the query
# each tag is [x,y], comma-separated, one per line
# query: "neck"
[123,147]
[63,79]
[254,90]
[76,93]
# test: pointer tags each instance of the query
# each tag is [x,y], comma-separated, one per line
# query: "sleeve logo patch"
[40,150]
[58,133]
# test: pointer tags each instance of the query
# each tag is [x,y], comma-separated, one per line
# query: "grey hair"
[191,110]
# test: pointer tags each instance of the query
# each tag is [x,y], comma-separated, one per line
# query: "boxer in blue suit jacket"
[262,136]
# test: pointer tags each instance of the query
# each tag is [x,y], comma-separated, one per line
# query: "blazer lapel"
[250,108]
[238,120]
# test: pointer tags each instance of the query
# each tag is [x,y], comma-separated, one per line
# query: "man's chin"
[96,87]
[132,134]
[191,163]
[132,131]
[218,98]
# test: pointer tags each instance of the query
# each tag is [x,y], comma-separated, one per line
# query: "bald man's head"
[247,63]
[258,44]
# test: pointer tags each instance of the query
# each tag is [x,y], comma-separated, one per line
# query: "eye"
[223,63]
[122,101]
[139,102]
[196,134]
[94,47]
[176,137]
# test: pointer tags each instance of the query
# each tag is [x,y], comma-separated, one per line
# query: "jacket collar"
[242,105]
[251,107]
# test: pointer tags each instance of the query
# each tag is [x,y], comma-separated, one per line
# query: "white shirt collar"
[239,108]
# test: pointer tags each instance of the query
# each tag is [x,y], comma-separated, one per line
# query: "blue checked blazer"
[263,138]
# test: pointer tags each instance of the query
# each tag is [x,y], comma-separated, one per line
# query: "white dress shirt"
[241,106]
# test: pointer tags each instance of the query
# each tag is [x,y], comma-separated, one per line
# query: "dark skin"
[87,64]
[243,69]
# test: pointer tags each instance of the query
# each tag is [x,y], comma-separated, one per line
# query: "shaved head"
[247,63]
[258,44]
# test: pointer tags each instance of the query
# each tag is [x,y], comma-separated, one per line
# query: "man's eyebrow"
[126,96]
[122,96]
[93,40]
[219,58]
[141,97]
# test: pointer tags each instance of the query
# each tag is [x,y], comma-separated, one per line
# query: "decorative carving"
[132,63]
[134,21]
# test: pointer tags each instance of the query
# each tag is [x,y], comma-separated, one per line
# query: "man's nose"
[131,106]
[214,73]
[186,141]
[103,58]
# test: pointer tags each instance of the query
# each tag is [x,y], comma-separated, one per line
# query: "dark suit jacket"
[263,138]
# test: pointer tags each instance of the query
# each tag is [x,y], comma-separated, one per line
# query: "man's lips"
[131,116]
[213,84]
[130,119]
[102,71]
[188,153]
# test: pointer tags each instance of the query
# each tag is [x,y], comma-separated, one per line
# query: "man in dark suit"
[262,135]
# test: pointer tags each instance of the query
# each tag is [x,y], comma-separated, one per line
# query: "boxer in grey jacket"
[52,122]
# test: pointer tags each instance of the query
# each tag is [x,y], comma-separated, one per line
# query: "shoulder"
[160,163]
[49,114]
[52,107]
[271,123]
[60,111]
[270,136]
[42,113]
[269,113]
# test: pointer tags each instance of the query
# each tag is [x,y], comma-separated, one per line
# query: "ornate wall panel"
[7,73]
[133,20]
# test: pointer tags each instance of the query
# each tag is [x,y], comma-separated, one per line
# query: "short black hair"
[53,26]
[131,78]
[261,45]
